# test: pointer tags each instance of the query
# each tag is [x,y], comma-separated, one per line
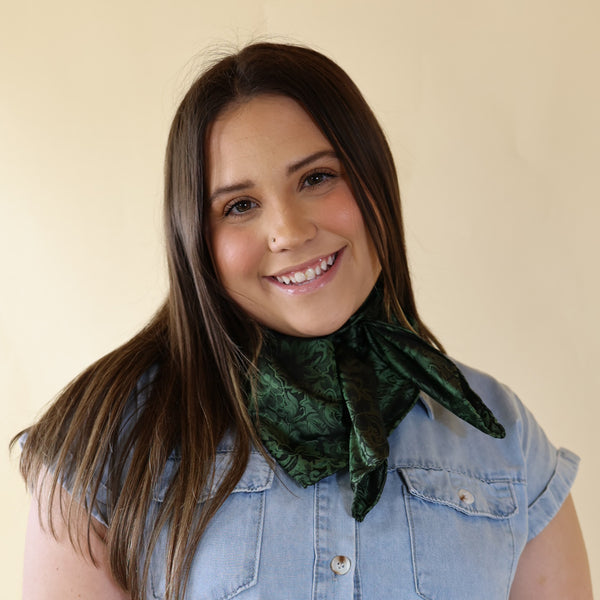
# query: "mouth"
[312,272]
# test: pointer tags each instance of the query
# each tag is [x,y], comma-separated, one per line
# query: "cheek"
[236,256]
[351,224]
[344,217]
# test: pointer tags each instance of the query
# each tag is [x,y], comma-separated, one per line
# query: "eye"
[239,207]
[317,177]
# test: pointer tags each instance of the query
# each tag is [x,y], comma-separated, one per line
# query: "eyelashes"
[239,206]
[317,177]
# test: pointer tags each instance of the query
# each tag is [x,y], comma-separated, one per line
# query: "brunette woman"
[286,426]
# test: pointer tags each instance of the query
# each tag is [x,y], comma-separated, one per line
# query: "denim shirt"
[456,511]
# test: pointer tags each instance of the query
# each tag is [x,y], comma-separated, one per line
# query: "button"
[340,565]
[466,496]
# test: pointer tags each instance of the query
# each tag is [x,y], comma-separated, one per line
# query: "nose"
[290,228]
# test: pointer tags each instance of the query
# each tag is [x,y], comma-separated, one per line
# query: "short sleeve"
[546,505]
[100,507]
[547,472]
[550,472]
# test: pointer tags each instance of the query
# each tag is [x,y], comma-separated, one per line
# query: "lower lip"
[313,285]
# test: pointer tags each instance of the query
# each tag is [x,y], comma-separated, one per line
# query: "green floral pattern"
[328,404]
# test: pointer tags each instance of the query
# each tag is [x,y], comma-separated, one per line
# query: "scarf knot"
[329,403]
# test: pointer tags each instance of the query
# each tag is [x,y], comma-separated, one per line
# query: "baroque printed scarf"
[329,403]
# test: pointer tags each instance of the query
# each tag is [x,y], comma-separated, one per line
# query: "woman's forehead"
[268,129]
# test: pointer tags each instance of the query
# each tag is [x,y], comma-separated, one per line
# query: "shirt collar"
[427,403]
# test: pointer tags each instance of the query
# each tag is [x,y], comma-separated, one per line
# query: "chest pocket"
[227,559]
[461,536]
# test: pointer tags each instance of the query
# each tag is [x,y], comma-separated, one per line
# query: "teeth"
[309,274]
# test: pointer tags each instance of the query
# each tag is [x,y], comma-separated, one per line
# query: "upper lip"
[305,265]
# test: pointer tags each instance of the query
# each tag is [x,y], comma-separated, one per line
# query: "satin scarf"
[329,403]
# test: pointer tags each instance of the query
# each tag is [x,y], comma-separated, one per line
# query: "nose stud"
[273,240]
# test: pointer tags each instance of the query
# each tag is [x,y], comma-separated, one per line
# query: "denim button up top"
[457,509]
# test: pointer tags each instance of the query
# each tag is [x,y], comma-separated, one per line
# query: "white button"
[340,565]
[466,496]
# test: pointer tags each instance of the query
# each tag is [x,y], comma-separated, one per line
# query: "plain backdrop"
[491,109]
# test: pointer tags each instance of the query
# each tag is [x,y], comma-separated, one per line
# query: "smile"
[309,274]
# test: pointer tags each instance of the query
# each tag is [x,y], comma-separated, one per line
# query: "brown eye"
[316,178]
[239,207]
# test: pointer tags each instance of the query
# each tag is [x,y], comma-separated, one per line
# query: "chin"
[316,329]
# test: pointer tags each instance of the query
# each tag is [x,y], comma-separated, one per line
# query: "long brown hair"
[199,345]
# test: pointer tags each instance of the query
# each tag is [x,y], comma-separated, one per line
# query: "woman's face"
[288,240]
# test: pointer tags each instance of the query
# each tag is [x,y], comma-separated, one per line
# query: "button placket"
[334,540]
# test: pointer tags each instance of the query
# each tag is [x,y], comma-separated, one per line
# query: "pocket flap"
[471,495]
[257,477]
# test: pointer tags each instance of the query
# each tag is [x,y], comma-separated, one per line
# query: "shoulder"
[122,447]
[141,394]
[542,472]
[521,426]
[497,396]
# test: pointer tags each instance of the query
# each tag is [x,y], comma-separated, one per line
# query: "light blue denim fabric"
[457,509]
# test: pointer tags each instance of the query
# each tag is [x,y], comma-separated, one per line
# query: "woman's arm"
[554,564]
[54,570]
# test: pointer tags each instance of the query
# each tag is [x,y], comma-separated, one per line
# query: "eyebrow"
[292,168]
[310,158]
[228,189]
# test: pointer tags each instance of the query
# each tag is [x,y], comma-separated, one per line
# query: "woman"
[284,427]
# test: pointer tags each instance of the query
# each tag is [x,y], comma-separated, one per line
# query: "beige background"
[492,110]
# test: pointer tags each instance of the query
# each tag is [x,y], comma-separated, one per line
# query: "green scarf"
[329,403]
